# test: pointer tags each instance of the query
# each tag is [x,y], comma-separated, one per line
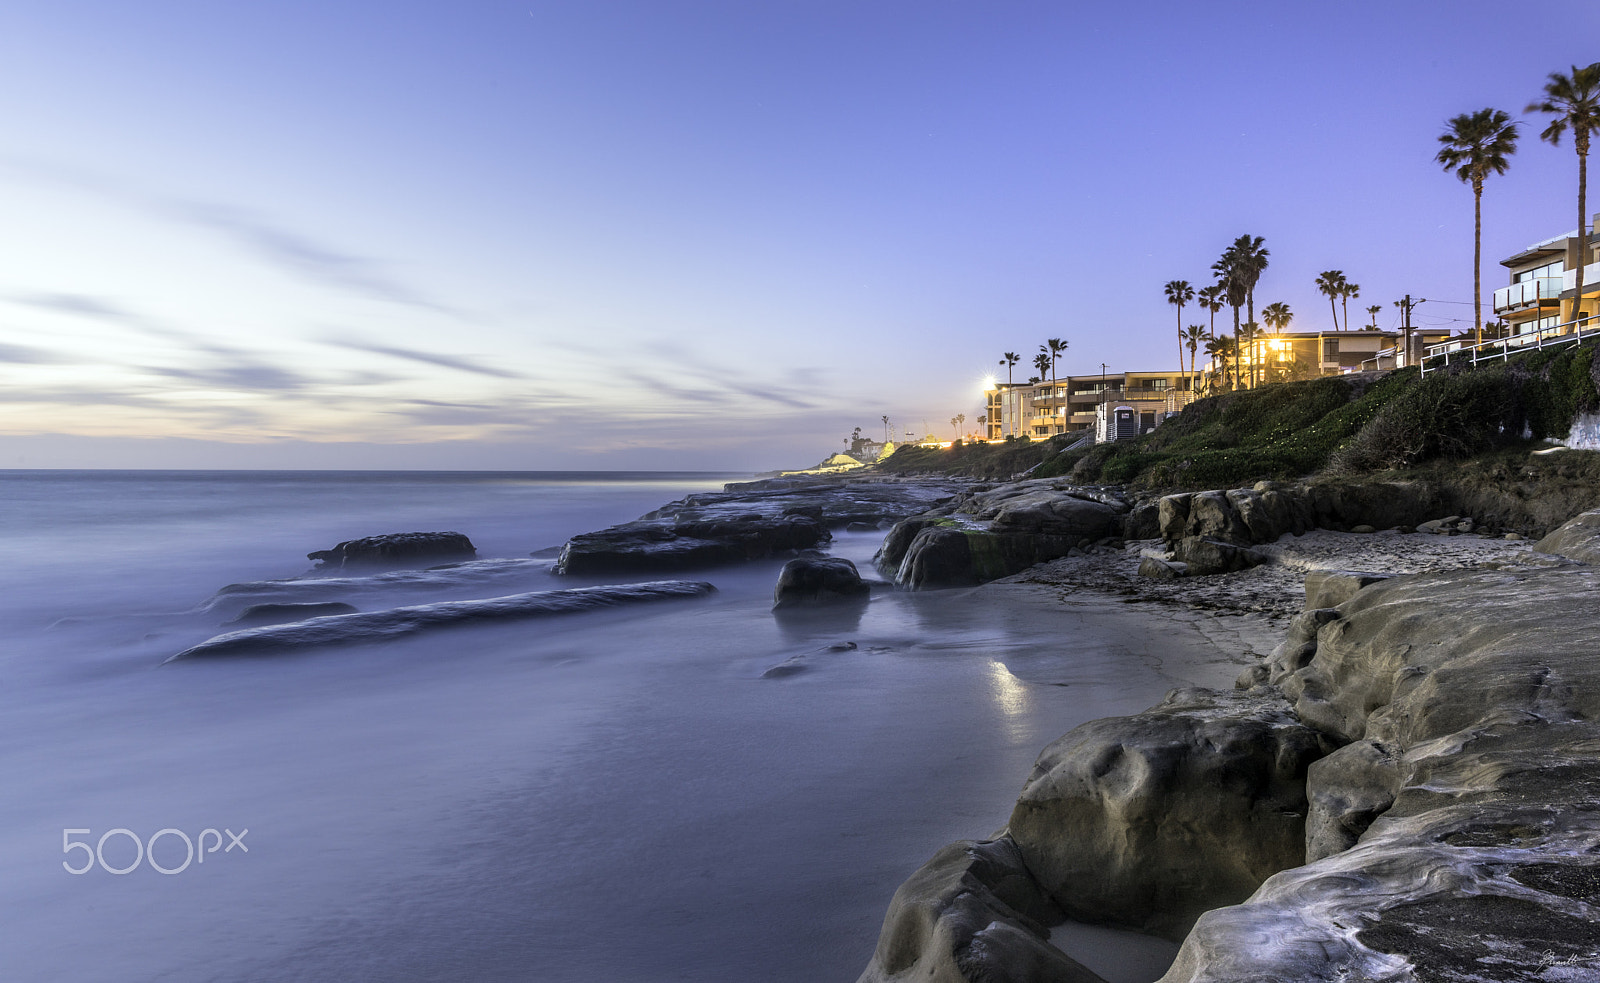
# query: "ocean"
[614,795]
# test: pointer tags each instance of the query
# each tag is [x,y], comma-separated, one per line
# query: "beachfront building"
[1307,354]
[1073,403]
[1544,279]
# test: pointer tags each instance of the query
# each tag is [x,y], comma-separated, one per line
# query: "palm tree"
[1346,291]
[1008,360]
[885,428]
[1475,146]
[1041,362]
[1213,300]
[1251,258]
[1574,101]
[1330,283]
[1249,333]
[1277,316]
[1179,293]
[1231,284]
[1053,348]
[1219,349]
[1193,335]
[1373,310]
[960,420]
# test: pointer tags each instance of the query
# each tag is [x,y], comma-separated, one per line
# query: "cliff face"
[1431,747]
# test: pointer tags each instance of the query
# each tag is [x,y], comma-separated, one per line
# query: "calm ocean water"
[614,795]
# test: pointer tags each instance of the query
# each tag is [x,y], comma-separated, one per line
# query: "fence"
[1500,349]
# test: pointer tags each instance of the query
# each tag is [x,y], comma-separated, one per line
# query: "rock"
[972,914]
[1331,588]
[1208,556]
[1161,569]
[1347,791]
[398,549]
[861,527]
[1513,536]
[1577,539]
[388,625]
[1456,836]
[1142,522]
[277,614]
[1173,516]
[1363,528]
[655,545]
[821,580]
[1147,821]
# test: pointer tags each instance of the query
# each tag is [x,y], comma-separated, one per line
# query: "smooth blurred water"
[615,795]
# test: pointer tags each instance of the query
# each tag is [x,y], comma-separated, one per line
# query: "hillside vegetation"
[1337,427]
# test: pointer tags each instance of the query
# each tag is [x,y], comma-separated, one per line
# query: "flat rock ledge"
[1433,738]
[748,521]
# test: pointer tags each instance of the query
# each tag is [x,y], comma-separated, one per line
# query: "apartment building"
[1544,280]
[1074,403]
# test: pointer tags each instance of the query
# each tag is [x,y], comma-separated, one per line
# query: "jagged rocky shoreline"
[1407,788]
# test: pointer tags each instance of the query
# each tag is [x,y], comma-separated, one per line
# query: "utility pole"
[1406,307]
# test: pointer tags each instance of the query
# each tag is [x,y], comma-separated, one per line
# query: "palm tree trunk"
[1180,346]
[1581,138]
[1236,345]
[1477,259]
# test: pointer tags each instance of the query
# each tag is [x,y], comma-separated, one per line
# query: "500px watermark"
[144,851]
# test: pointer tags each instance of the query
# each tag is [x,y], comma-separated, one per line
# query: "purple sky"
[660,234]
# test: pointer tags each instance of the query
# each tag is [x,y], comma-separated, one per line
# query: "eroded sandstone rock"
[1147,821]
[397,549]
[818,580]
[972,914]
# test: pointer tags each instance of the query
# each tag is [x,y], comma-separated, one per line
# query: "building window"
[1330,349]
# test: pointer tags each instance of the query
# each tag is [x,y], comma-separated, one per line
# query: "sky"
[686,235]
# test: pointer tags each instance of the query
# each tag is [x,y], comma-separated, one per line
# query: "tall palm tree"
[1008,360]
[1249,336]
[1277,316]
[885,428]
[1231,283]
[1054,348]
[1373,310]
[961,419]
[1474,146]
[1250,256]
[1041,362]
[1179,293]
[1346,291]
[1574,101]
[1213,300]
[1193,335]
[1329,284]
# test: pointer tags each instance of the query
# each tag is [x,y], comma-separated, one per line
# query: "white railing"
[1531,292]
[1500,349]
[1591,275]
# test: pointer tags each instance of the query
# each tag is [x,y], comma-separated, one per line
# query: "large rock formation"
[990,532]
[752,521]
[1261,514]
[1456,836]
[397,549]
[1147,821]
[1577,540]
[972,913]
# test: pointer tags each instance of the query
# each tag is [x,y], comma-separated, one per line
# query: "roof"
[1545,246]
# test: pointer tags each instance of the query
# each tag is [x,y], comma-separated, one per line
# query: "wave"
[395,623]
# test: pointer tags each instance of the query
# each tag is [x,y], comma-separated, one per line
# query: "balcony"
[1530,292]
[1591,278]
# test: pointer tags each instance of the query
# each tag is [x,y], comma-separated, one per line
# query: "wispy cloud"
[28,355]
[289,250]
[456,362]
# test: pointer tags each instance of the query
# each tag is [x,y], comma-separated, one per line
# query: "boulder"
[1142,522]
[400,549]
[1578,539]
[1207,556]
[818,580]
[1147,821]
[1157,569]
[972,914]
